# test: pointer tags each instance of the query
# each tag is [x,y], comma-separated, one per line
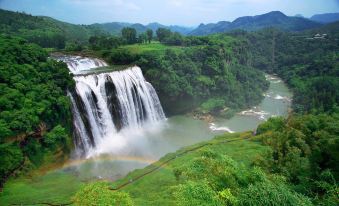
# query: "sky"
[168,12]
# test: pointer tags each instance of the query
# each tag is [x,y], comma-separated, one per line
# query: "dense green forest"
[213,75]
[209,73]
[34,111]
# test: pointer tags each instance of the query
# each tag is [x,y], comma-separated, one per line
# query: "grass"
[153,47]
[152,189]
[54,187]
[155,188]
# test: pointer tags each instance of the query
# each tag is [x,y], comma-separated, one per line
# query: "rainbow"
[76,162]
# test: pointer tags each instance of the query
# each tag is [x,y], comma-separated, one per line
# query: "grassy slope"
[155,188]
[53,188]
[151,189]
[153,47]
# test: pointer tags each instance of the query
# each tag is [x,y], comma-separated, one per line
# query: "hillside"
[49,32]
[325,18]
[115,28]
[45,31]
[251,23]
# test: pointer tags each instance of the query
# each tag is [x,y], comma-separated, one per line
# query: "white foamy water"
[260,114]
[213,127]
[278,97]
[77,64]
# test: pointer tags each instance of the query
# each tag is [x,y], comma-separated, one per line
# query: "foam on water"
[213,127]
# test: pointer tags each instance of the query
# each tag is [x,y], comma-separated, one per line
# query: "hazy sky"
[180,12]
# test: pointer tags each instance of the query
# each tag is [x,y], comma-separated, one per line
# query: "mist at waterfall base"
[119,124]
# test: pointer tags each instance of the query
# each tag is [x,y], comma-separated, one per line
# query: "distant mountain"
[325,18]
[113,28]
[251,23]
[116,27]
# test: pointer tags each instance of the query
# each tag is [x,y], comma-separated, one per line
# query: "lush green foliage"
[11,159]
[195,193]
[45,31]
[305,151]
[129,35]
[32,100]
[32,88]
[104,42]
[99,194]
[236,184]
[191,75]
[216,174]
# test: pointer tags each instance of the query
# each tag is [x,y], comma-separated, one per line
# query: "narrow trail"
[45,203]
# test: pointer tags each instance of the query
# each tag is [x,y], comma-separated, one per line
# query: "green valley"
[143,114]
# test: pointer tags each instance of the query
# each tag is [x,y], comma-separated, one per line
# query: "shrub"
[213,105]
[196,193]
[271,193]
[99,194]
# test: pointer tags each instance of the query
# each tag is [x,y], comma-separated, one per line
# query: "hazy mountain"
[325,18]
[116,27]
[250,23]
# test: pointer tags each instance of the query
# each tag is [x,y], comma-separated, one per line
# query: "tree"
[129,35]
[149,33]
[163,33]
[142,38]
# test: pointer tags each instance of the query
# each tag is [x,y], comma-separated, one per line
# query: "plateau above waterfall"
[77,64]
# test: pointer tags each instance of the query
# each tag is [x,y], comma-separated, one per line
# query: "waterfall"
[105,103]
[77,64]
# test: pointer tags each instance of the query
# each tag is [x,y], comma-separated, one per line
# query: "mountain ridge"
[326,17]
[251,23]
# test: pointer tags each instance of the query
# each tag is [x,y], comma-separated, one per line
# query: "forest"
[35,118]
[286,161]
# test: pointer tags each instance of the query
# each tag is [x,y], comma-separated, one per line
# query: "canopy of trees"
[129,35]
[32,93]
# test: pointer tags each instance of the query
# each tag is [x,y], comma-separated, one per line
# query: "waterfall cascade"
[77,64]
[105,103]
